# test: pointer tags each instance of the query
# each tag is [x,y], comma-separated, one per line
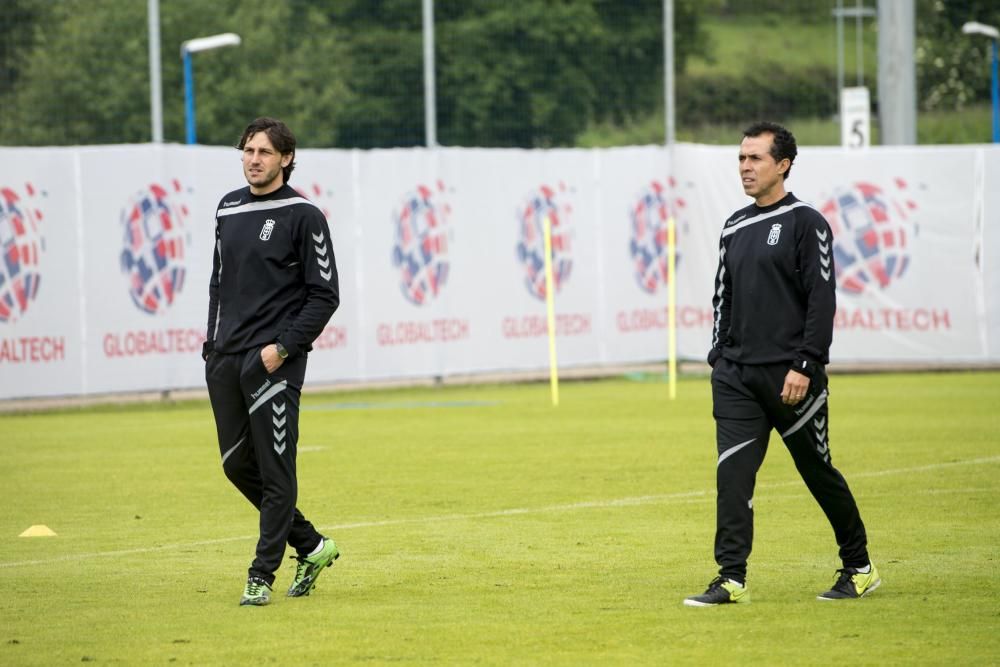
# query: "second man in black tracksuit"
[774,306]
[273,289]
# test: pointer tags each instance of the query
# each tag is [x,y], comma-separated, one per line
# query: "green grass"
[481,525]
[740,44]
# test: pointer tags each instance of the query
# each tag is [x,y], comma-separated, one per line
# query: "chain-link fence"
[528,73]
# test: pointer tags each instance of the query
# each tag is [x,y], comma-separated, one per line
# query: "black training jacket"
[775,288]
[274,276]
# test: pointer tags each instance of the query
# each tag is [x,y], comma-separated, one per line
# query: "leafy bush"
[774,93]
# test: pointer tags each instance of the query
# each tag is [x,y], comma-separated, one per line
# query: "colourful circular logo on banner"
[539,205]
[21,249]
[420,249]
[871,231]
[152,256]
[649,216]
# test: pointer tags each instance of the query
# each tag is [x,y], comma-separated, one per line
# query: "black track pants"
[746,404]
[257,418]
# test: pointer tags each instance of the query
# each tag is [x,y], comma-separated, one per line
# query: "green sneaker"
[256,593]
[720,591]
[310,567]
[852,584]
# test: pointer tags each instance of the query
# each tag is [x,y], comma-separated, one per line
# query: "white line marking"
[926,468]
[686,496]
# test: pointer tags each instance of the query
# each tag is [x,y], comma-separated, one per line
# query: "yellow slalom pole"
[550,305]
[672,306]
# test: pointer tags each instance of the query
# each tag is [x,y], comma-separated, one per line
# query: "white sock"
[319,547]
[864,570]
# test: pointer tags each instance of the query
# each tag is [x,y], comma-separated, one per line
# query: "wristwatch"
[282,352]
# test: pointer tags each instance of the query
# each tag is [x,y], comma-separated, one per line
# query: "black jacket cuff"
[805,367]
[293,349]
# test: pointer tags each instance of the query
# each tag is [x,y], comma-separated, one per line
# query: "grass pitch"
[481,525]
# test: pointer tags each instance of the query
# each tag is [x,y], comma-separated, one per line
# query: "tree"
[529,73]
[341,72]
[87,78]
[18,36]
[631,53]
[953,69]
[518,78]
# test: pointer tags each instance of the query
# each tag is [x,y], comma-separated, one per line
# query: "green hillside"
[750,48]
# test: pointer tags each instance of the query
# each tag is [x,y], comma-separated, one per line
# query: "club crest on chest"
[772,236]
[265,232]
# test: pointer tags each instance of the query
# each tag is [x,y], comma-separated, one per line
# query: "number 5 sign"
[855,118]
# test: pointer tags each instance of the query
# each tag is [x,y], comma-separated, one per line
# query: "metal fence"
[530,73]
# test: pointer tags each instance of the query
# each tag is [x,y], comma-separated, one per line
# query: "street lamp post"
[194,46]
[974,28]
[430,87]
[858,13]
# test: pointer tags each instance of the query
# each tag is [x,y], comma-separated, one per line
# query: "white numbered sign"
[855,118]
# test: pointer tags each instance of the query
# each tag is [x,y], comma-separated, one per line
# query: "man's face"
[262,164]
[762,177]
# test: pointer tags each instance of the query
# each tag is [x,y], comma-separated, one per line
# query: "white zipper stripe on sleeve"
[718,293]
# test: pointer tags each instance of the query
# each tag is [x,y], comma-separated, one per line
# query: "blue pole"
[189,99]
[996,94]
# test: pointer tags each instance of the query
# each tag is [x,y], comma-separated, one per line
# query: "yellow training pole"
[672,306]
[550,305]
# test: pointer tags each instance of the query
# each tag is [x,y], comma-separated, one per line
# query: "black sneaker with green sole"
[720,591]
[852,584]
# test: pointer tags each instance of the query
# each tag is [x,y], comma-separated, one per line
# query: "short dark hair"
[281,138]
[783,145]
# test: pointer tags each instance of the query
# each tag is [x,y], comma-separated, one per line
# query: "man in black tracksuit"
[774,305]
[274,286]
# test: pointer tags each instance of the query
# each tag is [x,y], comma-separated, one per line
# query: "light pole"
[974,28]
[194,46]
[430,87]
[858,13]
[155,85]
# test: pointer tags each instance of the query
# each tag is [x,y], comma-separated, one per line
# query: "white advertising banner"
[327,178]
[407,246]
[988,255]
[903,220]
[107,253]
[147,247]
[41,298]
[639,195]
[560,186]
[711,179]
